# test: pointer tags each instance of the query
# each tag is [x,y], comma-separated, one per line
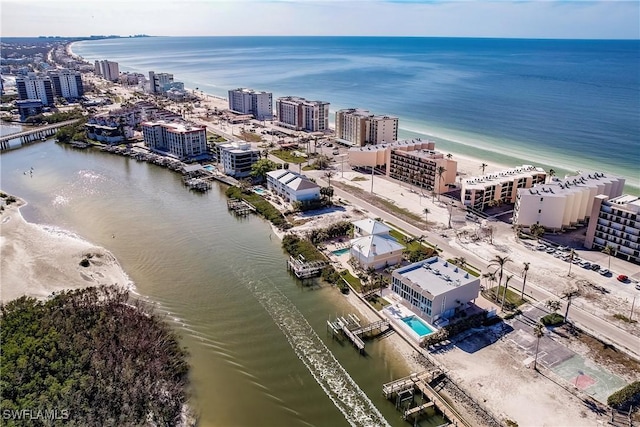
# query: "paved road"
[596,325]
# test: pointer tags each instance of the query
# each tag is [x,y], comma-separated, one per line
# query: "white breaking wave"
[336,382]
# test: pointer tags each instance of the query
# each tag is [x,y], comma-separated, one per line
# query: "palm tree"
[537,231]
[500,262]
[449,156]
[440,171]
[426,213]
[538,332]
[328,175]
[571,256]
[524,277]
[504,294]
[552,173]
[490,276]
[460,262]
[609,250]
[483,167]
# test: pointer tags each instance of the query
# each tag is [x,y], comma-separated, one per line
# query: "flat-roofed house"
[435,288]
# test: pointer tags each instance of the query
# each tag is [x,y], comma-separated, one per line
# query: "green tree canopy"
[95,353]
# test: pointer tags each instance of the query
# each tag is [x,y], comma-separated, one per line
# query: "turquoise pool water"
[259,190]
[209,168]
[418,326]
[340,251]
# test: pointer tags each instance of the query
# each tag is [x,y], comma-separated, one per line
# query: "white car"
[585,264]
[541,247]
[604,271]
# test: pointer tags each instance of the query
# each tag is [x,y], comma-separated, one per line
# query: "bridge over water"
[33,134]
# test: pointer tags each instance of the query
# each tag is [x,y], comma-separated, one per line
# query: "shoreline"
[495,157]
[39,259]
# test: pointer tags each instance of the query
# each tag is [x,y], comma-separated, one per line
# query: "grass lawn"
[352,280]
[287,156]
[378,302]
[513,298]
[250,137]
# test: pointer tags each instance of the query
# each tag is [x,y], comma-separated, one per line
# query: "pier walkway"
[403,389]
[33,134]
[303,269]
[351,328]
[240,207]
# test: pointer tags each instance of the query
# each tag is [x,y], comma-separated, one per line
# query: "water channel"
[257,340]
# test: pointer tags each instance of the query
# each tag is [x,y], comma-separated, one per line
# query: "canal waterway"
[257,340]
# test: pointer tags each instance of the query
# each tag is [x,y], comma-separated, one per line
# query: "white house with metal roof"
[376,251]
[366,227]
[434,288]
[291,186]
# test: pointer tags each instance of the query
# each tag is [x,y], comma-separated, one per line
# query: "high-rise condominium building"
[615,223]
[157,82]
[299,114]
[499,187]
[180,139]
[249,101]
[413,161]
[565,202]
[33,86]
[107,69]
[67,84]
[359,127]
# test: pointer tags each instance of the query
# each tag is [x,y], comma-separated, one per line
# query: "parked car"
[638,286]
[622,278]
[541,247]
[335,152]
[550,250]
[585,264]
[604,271]
[595,267]
[576,260]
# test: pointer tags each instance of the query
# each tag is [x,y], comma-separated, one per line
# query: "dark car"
[595,267]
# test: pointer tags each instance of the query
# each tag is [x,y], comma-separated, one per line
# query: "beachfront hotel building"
[500,187]
[108,69]
[358,127]
[67,84]
[564,202]
[181,140]
[413,161]
[615,222]
[297,113]
[434,289]
[237,157]
[292,187]
[249,101]
[158,82]
[33,86]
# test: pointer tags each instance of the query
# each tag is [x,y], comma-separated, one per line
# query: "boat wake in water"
[343,391]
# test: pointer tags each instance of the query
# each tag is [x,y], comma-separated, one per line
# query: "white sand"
[37,260]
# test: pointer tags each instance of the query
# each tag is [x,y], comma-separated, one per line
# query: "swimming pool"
[259,190]
[341,251]
[418,326]
[209,168]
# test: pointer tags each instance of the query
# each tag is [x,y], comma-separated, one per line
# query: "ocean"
[564,104]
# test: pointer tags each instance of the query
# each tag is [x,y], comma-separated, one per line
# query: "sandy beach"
[39,260]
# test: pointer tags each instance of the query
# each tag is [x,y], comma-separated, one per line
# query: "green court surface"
[590,379]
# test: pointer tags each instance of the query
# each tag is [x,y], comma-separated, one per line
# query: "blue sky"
[473,18]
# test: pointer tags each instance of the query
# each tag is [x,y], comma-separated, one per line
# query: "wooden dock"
[351,328]
[240,207]
[303,269]
[404,388]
